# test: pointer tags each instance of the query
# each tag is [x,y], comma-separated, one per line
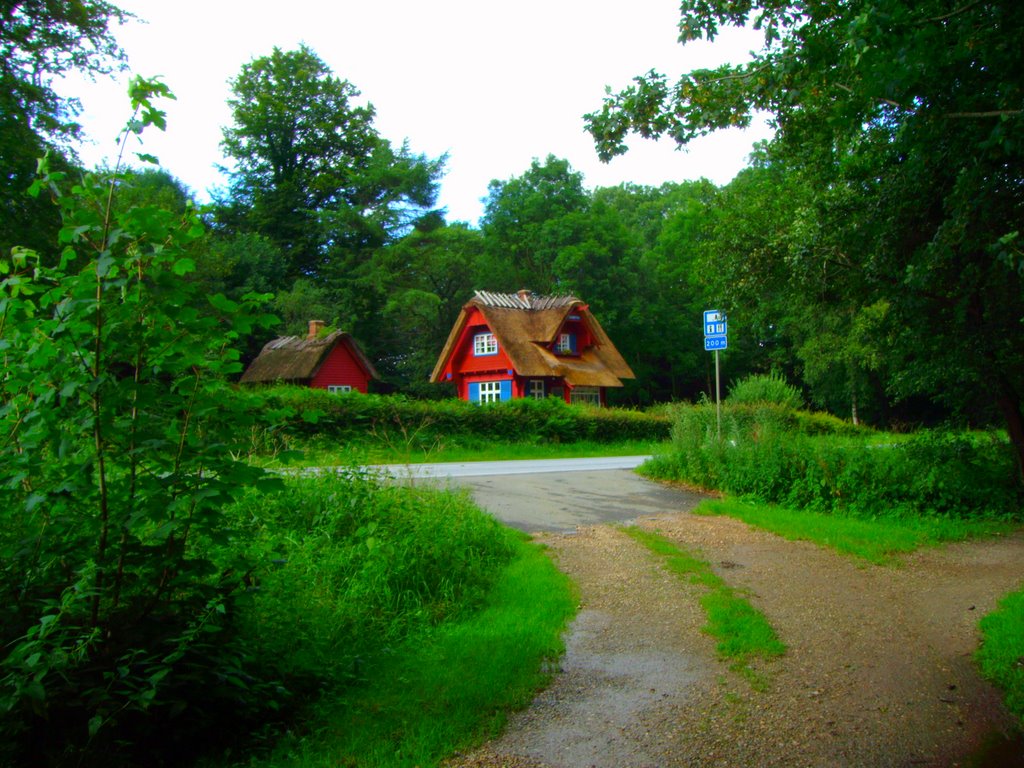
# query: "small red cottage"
[506,346]
[333,362]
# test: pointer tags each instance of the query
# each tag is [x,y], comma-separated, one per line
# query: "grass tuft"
[878,540]
[451,688]
[1001,655]
[743,633]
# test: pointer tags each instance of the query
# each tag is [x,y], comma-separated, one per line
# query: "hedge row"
[795,459]
[393,418]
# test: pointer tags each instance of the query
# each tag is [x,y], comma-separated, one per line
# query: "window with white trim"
[585,395]
[339,389]
[485,344]
[564,344]
[490,391]
[536,389]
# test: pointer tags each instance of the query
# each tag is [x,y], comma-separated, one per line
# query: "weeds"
[1001,655]
[742,632]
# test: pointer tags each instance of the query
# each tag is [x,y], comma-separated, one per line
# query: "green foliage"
[41,40]
[418,426]
[766,388]
[775,455]
[879,539]
[361,566]
[1002,648]
[900,127]
[116,595]
[312,174]
[448,687]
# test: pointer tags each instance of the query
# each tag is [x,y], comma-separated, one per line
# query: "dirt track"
[878,671]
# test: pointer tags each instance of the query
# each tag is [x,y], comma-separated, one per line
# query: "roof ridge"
[523,300]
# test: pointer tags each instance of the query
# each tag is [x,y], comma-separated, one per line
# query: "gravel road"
[878,671]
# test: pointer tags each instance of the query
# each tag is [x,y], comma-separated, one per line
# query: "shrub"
[401,423]
[116,598]
[765,388]
[788,457]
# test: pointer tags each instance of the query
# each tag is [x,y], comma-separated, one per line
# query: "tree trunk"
[1009,403]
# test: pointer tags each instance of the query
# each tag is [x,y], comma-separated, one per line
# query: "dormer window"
[485,344]
[566,344]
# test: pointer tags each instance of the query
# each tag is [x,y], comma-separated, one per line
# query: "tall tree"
[908,122]
[528,220]
[310,172]
[40,40]
[427,277]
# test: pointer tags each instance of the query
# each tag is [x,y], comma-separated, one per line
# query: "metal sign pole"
[718,397]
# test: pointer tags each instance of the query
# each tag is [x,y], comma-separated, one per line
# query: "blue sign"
[715,323]
[715,330]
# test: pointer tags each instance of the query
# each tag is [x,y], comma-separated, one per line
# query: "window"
[339,389]
[566,344]
[536,389]
[490,391]
[485,344]
[585,395]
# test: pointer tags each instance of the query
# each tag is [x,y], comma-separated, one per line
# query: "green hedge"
[808,461]
[393,418]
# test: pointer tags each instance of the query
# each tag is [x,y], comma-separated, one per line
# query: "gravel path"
[878,670]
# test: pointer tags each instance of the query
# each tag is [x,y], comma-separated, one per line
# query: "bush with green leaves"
[400,422]
[765,388]
[788,457]
[117,592]
[356,566]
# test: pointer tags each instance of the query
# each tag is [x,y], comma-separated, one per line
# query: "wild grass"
[808,461]
[449,688]
[879,540]
[742,632]
[1001,655]
[403,622]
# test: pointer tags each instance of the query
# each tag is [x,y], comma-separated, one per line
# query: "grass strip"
[878,540]
[1001,655]
[743,633]
[453,688]
[318,454]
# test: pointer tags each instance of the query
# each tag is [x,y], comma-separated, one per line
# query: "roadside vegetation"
[869,494]
[743,633]
[304,427]
[1002,650]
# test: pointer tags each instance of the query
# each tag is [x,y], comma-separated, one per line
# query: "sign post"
[715,339]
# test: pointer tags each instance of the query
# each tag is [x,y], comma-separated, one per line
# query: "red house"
[506,346]
[333,362]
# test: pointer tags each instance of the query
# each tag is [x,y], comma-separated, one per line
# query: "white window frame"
[490,391]
[485,344]
[564,344]
[585,396]
[339,389]
[536,389]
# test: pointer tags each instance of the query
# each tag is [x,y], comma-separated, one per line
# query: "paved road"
[556,495]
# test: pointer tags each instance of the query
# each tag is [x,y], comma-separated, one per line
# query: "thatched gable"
[297,359]
[526,326]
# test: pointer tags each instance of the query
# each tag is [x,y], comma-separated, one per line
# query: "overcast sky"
[494,85]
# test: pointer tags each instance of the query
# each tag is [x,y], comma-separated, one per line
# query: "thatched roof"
[526,325]
[294,358]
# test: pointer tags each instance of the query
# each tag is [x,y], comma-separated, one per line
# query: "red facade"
[341,368]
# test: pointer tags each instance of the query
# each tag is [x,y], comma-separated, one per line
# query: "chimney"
[524,295]
[315,326]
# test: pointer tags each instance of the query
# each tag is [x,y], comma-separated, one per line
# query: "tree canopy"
[310,171]
[906,122]
[39,41]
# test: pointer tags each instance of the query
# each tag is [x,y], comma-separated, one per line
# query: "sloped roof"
[295,358]
[525,326]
